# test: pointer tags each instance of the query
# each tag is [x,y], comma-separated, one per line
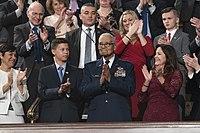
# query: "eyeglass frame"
[107,44]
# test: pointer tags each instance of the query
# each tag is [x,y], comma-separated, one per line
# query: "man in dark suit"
[77,38]
[193,67]
[180,41]
[153,8]
[189,9]
[11,14]
[32,41]
[108,83]
[59,91]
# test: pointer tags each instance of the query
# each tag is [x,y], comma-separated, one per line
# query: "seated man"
[108,83]
[57,87]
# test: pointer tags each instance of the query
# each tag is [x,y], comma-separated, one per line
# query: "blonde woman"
[134,47]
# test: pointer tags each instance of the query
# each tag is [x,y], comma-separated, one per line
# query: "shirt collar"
[63,66]
[33,25]
[85,28]
[111,60]
[172,32]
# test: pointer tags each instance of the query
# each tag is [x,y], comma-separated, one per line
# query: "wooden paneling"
[171,127]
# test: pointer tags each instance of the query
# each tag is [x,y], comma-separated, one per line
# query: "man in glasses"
[108,83]
[32,41]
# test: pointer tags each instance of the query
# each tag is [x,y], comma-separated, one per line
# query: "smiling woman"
[161,86]
[13,88]
[62,19]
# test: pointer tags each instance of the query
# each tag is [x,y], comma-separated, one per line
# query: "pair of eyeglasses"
[34,14]
[107,44]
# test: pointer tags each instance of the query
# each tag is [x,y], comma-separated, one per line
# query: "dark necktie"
[60,73]
[145,20]
[37,51]
[107,62]
[88,46]
[169,36]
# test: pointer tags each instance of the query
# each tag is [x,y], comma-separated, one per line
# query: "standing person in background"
[161,86]
[108,83]
[107,16]
[180,41]
[32,41]
[13,89]
[149,12]
[192,65]
[61,18]
[75,6]
[132,46]
[88,33]
[59,94]
[11,14]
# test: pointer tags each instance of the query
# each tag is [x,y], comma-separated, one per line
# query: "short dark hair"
[57,41]
[6,47]
[169,9]
[88,4]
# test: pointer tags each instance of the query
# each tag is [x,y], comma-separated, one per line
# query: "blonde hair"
[121,26]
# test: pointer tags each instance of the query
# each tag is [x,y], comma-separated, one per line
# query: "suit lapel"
[175,37]
[55,73]
[67,72]
[99,65]
[78,44]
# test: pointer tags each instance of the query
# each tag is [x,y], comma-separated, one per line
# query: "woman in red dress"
[161,86]
[132,46]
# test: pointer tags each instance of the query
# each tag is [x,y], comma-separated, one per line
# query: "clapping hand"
[147,74]
[32,37]
[43,33]
[62,14]
[133,28]
[65,87]
[105,75]
[21,75]
[163,40]
[195,22]
[140,25]
[191,63]
[20,5]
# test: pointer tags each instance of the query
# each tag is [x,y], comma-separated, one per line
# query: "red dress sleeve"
[173,84]
[120,45]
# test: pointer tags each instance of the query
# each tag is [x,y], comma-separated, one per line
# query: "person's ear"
[53,52]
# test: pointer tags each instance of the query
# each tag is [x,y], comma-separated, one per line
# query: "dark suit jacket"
[21,34]
[110,102]
[155,20]
[74,38]
[57,106]
[8,18]
[187,9]
[180,42]
[194,85]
